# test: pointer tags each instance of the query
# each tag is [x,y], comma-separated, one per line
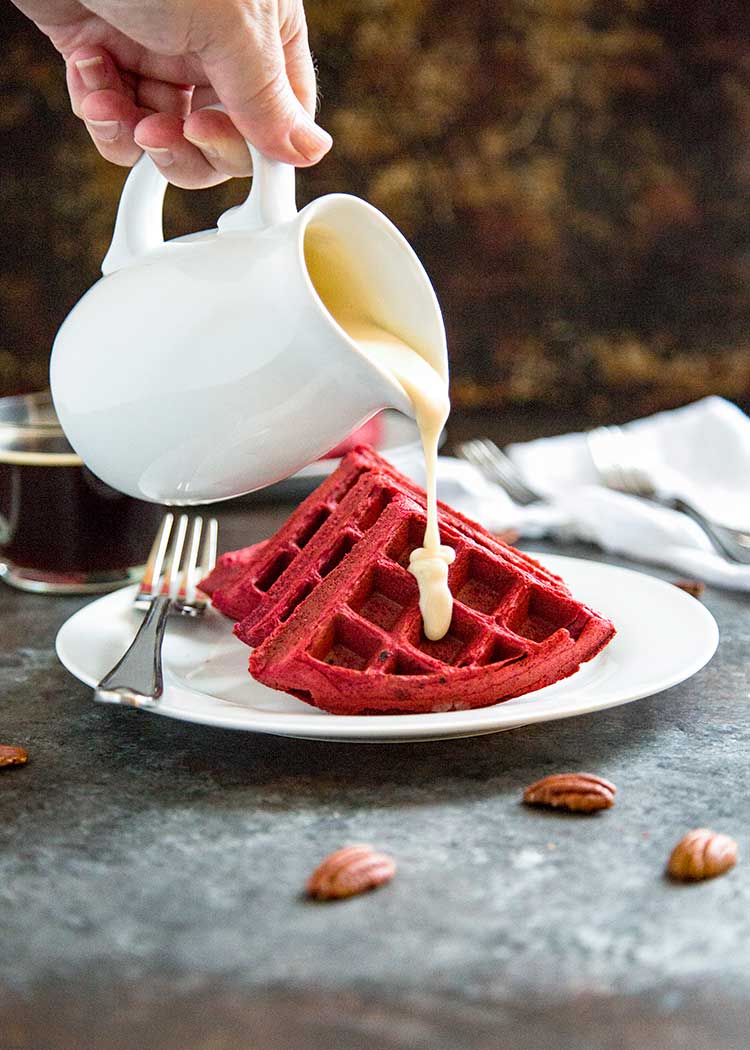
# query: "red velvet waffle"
[230,567]
[359,509]
[269,577]
[237,593]
[355,644]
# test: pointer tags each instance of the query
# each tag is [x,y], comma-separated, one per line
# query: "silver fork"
[494,464]
[169,586]
[608,450]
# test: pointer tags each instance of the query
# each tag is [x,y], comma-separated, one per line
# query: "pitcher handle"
[138,226]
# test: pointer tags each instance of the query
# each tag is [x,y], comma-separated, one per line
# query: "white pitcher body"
[206,367]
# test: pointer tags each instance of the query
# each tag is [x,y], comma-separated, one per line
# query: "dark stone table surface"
[150,873]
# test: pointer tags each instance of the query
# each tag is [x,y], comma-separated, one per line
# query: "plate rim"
[319,725]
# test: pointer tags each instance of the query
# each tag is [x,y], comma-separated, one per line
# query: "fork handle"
[137,679]
[714,532]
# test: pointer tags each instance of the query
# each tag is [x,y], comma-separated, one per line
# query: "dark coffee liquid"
[62,519]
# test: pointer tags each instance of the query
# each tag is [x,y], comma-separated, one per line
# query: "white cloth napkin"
[700,452]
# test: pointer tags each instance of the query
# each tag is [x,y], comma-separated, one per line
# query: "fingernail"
[107,130]
[205,147]
[93,73]
[309,139]
[162,157]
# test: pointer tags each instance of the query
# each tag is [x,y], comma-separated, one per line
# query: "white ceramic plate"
[663,637]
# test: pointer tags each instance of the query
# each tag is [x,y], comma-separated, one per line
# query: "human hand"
[138,70]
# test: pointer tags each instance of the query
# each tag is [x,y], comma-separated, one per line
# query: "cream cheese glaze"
[428,393]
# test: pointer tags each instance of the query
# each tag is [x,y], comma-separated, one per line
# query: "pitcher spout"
[367,278]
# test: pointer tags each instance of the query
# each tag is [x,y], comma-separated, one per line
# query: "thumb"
[252,82]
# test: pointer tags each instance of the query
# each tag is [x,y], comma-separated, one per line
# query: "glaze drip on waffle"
[248,579]
[333,610]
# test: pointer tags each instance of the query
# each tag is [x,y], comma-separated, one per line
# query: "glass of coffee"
[62,530]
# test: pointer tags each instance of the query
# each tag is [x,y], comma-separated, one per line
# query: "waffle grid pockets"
[334,612]
[272,575]
[359,648]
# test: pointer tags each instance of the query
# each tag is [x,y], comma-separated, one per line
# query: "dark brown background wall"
[574,173]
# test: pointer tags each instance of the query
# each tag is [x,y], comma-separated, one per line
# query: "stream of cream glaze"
[428,393]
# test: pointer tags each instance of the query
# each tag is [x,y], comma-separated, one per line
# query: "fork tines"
[612,458]
[178,561]
[493,462]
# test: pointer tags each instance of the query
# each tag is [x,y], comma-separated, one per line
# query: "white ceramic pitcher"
[207,366]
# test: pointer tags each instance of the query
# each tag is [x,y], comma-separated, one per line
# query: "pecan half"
[12,756]
[350,871]
[579,792]
[694,587]
[702,854]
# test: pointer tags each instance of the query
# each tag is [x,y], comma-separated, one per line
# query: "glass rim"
[30,431]
[29,412]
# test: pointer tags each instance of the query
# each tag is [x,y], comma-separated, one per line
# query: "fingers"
[114,104]
[220,142]
[161,136]
[110,119]
[92,69]
[104,102]
[263,74]
[118,108]
[300,69]
[248,70]
[160,97]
